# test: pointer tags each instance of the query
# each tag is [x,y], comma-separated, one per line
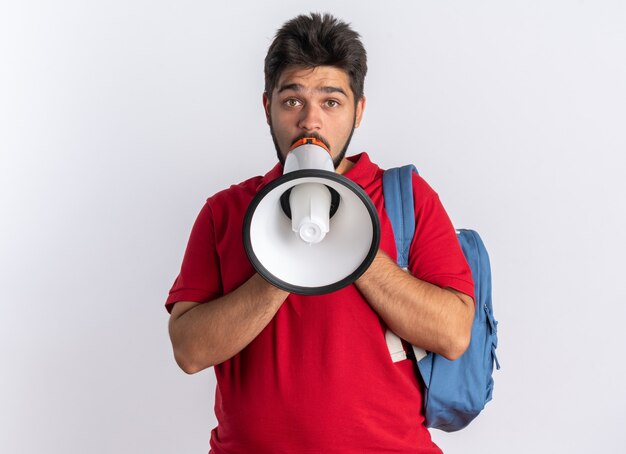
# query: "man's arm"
[435,319]
[206,334]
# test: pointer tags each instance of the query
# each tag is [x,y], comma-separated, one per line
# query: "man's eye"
[292,102]
[332,103]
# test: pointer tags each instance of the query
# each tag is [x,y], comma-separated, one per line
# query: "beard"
[313,135]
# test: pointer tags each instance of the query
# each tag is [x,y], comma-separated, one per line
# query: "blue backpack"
[455,392]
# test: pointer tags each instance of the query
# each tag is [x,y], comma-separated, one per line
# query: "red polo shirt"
[319,378]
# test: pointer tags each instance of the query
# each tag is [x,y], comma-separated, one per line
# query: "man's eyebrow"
[333,90]
[294,87]
[325,89]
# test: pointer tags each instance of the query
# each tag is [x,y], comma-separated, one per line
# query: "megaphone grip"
[310,211]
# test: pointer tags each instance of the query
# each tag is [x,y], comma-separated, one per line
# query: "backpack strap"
[398,194]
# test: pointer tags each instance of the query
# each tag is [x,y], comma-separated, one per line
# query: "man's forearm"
[206,334]
[427,316]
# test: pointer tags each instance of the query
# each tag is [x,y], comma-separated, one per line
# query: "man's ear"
[358,114]
[266,107]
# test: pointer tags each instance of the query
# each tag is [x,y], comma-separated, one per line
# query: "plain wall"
[118,119]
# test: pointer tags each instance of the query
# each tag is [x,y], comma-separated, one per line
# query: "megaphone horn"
[311,231]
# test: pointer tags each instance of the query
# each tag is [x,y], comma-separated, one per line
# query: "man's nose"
[310,119]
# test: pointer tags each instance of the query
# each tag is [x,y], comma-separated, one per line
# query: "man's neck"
[344,166]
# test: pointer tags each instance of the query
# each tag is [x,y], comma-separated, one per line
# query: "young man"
[313,374]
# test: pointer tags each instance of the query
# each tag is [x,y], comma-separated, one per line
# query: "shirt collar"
[364,171]
[270,176]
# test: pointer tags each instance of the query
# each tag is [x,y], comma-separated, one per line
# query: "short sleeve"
[435,255]
[199,277]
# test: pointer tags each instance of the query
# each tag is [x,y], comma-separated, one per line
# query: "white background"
[119,118]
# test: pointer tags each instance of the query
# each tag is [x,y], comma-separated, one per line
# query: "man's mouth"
[311,135]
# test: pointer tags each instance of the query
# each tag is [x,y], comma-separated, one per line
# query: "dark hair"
[317,40]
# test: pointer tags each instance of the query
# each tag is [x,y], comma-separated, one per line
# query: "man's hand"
[435,319]
[206,334]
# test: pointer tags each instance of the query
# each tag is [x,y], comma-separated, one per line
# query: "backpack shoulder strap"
[398,194]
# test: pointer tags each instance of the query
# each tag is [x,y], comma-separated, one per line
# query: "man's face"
[313,102]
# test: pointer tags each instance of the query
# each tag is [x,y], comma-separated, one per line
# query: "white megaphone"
[311,231]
